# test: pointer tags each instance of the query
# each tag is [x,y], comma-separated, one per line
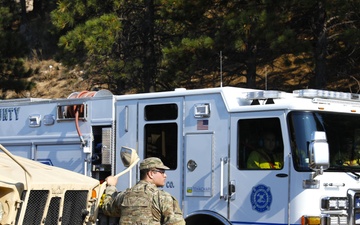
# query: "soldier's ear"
[150,174]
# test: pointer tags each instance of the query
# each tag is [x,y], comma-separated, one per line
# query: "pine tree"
[330,30]
[247,33]
[157,45]
[113,40]
[13,49]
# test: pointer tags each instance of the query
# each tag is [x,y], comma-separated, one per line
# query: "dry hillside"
[53,80]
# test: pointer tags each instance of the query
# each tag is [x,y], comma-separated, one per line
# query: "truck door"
[160,135]
[204,179]
[259,168]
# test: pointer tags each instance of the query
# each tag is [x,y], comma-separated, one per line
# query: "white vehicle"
[206,136]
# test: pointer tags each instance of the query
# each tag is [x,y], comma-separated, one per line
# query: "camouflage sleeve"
[112,202]
[171,212]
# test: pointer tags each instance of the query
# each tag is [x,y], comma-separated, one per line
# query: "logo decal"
[170,184]
[261,198]
[45,161]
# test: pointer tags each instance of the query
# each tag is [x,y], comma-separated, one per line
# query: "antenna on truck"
[221,83]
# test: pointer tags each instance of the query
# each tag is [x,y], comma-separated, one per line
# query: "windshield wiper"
[349,170]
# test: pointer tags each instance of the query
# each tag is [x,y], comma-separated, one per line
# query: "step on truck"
[209,138]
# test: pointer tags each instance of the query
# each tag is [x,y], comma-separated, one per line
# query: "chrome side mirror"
[128,156]
[319,152]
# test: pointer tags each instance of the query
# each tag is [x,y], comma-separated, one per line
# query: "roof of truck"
[235,99]
[242,99]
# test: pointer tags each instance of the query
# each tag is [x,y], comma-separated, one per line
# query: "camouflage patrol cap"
[153,162]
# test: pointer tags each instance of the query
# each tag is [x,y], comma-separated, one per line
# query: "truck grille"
[52,216]
[74,210]
[35,207]
[75,205]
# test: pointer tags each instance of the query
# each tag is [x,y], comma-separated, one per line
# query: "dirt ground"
[53,80]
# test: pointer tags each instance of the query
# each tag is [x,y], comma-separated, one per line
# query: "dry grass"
[53,80]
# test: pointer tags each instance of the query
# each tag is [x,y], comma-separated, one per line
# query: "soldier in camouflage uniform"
[144,203]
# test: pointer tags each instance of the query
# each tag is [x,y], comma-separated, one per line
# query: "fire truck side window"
[160,138]
[161,141]
[260,144]
[161,112]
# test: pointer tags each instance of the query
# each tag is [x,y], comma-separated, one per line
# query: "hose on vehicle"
[77,110]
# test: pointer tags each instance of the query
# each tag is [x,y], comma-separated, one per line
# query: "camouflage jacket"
[142,204]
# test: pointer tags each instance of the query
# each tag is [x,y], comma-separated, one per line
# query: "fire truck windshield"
[342,133]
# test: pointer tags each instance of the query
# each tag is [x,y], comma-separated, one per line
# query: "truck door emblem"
[261,198]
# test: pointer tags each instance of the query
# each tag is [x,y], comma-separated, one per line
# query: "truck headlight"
[334,203]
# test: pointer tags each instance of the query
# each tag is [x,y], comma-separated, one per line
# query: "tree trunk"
[251,65]
[320,46]
[149,69]
[23,10]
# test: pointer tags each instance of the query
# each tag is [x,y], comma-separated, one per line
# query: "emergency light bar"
[264,95]
[269,96]
[313,93]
